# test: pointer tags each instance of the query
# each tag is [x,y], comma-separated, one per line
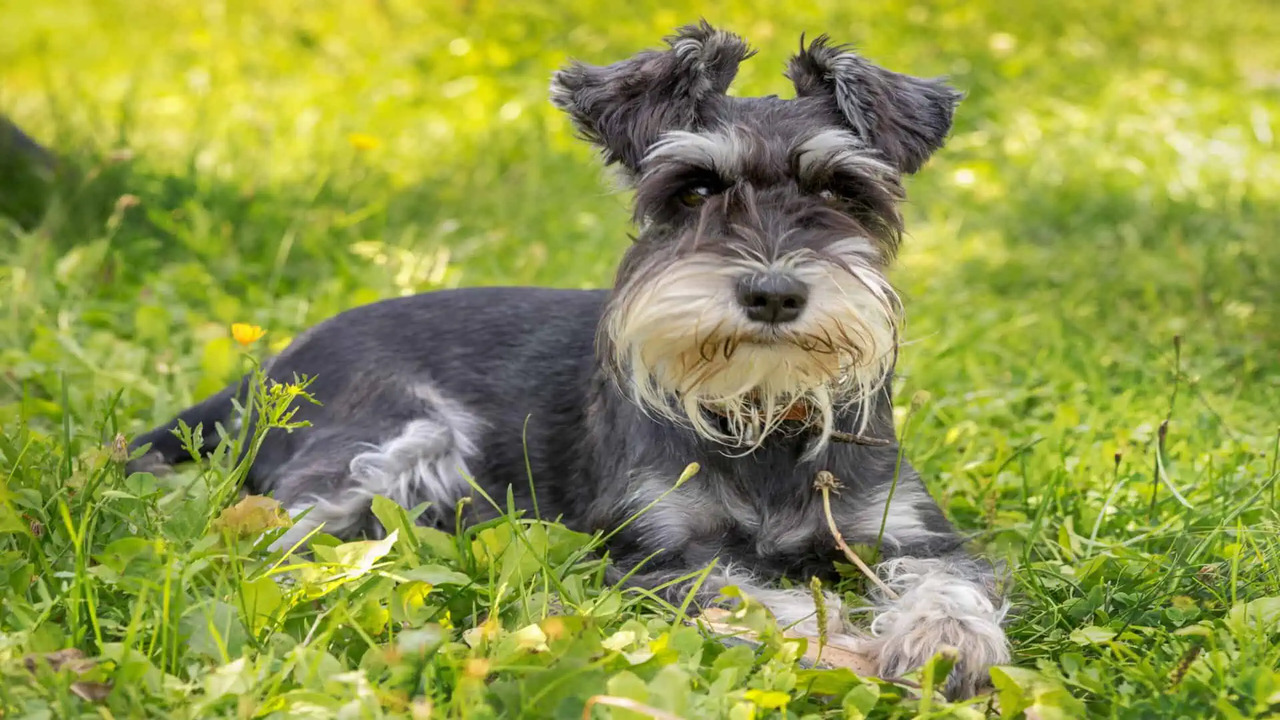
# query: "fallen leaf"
[252,516]
[721,621]
[72,659]
[91,691]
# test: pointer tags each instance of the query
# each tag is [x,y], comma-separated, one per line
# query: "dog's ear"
[625,107]
[905,118]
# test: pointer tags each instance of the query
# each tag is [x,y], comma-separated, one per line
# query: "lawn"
[1091,385]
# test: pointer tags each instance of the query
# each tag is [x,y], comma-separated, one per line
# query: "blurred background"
[1112,181]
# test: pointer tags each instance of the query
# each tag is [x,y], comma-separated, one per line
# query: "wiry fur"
[425,461]
[595,401]
[624,107]
[905,118]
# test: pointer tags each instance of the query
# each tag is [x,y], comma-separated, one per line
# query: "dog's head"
[755,293]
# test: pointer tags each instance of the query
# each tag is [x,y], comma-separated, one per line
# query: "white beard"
[682,345]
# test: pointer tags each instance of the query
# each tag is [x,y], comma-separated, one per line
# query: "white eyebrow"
[838,150]
[723,152]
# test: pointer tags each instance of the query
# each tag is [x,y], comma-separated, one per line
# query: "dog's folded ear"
[905,118]
[625,107]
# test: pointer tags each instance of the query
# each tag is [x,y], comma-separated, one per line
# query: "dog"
[751,329]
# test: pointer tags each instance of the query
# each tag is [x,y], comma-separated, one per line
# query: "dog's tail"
[167,447]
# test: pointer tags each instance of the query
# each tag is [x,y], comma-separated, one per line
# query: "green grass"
[1091,283]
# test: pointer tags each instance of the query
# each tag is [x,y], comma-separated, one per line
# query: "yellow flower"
[364,141]
[246,334]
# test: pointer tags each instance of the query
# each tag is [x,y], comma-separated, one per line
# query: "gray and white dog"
[751,329]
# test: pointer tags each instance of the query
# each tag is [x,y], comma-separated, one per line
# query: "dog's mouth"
[797,411]
[837,339]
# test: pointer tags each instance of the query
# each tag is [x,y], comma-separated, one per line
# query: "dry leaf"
[721,621]
[252,516]
[91,691]
[71,658]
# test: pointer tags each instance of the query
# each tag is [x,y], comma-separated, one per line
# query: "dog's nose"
[772,298]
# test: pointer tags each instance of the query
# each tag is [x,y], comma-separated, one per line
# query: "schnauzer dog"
[751,329]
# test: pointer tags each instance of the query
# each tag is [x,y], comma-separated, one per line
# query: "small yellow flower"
[364,141]
[246,334]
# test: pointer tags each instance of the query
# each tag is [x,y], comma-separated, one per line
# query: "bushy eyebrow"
[835,151]
[733,155]
[723,152]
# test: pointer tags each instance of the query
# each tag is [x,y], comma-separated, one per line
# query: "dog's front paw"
[935,614]
[910,643]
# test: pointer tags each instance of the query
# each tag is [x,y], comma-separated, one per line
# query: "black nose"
[772,298]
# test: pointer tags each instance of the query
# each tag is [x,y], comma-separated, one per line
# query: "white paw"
[907,646]
[934,611]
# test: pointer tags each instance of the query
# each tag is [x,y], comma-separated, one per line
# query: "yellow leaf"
[770,699]
[246,334]
[252,516]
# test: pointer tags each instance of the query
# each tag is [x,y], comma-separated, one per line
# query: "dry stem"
[825,483]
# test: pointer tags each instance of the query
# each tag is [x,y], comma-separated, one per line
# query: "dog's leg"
[332,482]
[319,492]
[944,597]
[166,450]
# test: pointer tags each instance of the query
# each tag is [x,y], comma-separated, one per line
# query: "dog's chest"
[713,516]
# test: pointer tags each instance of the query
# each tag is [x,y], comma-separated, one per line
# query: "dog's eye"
[699,188]
[827,195]
[695,195]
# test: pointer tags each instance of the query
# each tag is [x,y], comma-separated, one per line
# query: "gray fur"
[17,146]
[418,393]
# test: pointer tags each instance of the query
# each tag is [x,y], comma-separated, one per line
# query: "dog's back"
[379,374]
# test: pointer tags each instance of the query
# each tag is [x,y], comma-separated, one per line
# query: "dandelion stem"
[825,483]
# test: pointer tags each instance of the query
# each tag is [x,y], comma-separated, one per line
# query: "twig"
[847,437]
[825,482]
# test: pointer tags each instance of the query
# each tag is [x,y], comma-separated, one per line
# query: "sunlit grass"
[1092,257]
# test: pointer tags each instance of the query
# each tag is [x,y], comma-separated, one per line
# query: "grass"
[1090,281]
